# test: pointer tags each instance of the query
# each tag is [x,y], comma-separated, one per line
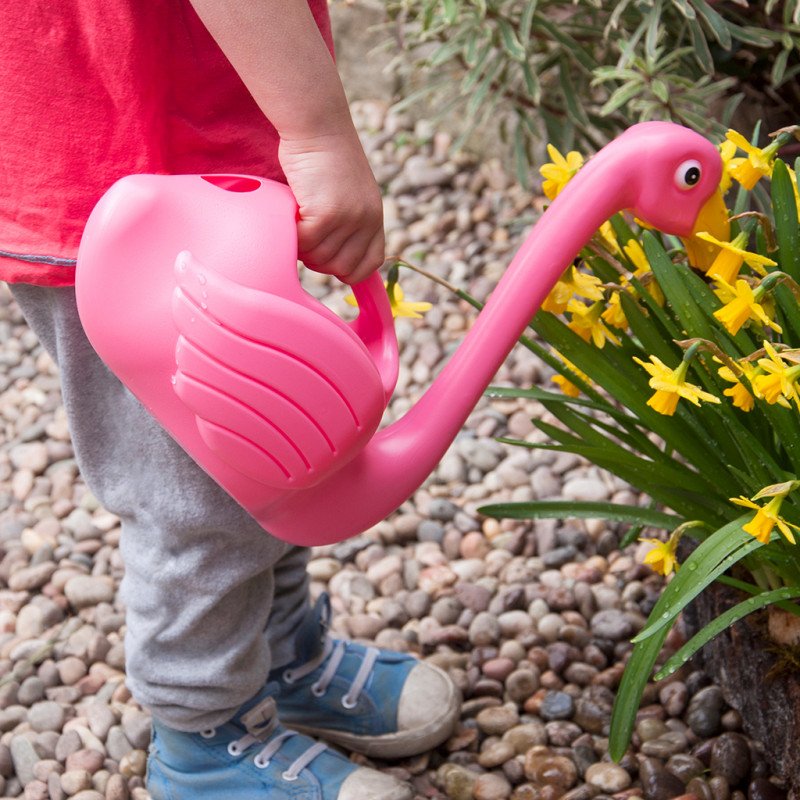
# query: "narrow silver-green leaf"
[723,621]
[565,509]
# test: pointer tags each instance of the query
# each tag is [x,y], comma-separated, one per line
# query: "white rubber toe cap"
[369,784]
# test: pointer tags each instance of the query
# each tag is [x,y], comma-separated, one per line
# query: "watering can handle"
[375,327]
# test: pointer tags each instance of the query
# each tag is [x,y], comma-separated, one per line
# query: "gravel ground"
[532,621]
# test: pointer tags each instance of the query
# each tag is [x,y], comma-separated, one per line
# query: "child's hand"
[340,231]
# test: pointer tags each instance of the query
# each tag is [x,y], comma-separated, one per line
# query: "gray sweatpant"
[212,600]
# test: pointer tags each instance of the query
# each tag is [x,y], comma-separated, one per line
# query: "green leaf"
[629,693]
[526,21]
[711,558]
[702,53]
[621,96]
[660,90]
[715,22]
[511,44]
[564,509]
[779,66]
[670,278]
[723,621]
[450,11]
[645,653]
[787,228]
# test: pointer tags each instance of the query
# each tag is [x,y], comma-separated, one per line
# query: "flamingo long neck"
[551,247]
[398,459]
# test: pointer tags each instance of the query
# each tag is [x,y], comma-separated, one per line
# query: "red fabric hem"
[14,270]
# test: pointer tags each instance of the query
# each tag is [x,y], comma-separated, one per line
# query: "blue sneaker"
[371,701]
[253,757]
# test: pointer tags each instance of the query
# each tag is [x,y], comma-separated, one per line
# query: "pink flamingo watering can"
[188,289]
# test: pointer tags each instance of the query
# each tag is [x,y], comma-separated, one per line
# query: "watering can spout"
[187,287]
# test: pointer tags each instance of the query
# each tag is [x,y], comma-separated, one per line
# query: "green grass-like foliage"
[575,73]
[690,459]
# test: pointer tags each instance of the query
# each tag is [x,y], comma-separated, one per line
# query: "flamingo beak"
[713,219]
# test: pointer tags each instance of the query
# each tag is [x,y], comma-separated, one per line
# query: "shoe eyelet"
[288,676]
[348,703]
[288,777]
[209,733]
[233,750]
[261,763]
[317,690]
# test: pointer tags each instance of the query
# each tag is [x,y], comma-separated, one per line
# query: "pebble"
[609,778]
[730,758]
[46,716]
[83,591]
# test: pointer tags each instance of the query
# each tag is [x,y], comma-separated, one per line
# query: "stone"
[657,782]
[704,714]
[31,456]
[36,790]
[523,737]
[117,743]
[85,759]
[542,766]
[491,786]
[612,624]
[24,757]
[71,669]
[484,629]
[473,596]
[83,591]
[30,578]
[100,718]
[76,780]
[457,782]
[497,720]
[116,788]
[31,690]
[556,705]
[730,758]
[496,754]
[46,716]
[522,683]
[609,778]
[134,763]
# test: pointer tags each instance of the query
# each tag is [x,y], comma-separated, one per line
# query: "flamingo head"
[675,184]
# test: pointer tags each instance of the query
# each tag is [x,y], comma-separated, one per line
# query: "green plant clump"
[576,73]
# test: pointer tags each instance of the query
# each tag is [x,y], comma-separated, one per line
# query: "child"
[220,636]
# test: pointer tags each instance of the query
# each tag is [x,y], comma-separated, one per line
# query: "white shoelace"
[334,653]
[260,731]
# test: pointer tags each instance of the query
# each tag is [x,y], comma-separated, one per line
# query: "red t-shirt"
[91,90]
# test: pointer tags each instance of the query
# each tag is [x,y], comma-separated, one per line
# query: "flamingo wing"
[280,392]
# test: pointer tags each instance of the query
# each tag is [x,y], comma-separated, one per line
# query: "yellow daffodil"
[587,322]
[732,255]
[742,304]
[756,165]
[613,314]
[558,173]
[572,282]
[400,306]
[670,386]
[661,557]
[767,517]
[739,393]
[778,384]
[608,237]
[565,384]
[793,179]
[643,271]
[727,151]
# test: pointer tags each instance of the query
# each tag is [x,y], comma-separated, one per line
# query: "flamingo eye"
[688,174]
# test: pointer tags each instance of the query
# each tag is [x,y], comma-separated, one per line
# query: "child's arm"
[279,53]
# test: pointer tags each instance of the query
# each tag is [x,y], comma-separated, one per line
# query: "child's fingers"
[350,260]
